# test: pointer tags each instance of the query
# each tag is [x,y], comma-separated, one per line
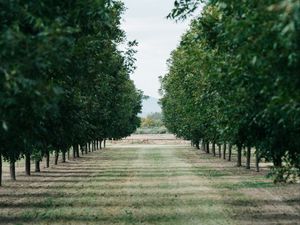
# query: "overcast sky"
[145,21]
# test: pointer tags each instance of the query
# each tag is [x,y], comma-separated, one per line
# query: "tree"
[60,65]
[243,58]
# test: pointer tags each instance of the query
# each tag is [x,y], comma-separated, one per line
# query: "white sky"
[145,21]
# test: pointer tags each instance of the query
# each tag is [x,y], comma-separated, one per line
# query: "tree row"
[234,79]
[63,79]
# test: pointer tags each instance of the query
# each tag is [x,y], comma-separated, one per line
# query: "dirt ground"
[157,139]
[148,184]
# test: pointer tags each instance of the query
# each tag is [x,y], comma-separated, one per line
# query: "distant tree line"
[234,80]
[152,124]
[152,120]
[63,80]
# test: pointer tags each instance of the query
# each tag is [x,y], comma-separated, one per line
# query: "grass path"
[148,184]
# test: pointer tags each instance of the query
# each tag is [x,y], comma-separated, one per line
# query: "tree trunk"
[214,149]
[68,154]
[77,151]
[257,162]
[27,164]
[197,144]
[63,156]
[277,161]
[202,145]
[74,152]
[89,145]
[220,151]
[56,157]
[224,151]
[248,155]
[82,149]
[0,170]
[86,149]
[207,147]
[12,170]
[47,159]
[239,156]
[229,152]
[37,166]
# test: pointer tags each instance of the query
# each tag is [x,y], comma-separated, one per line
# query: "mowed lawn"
[148,184]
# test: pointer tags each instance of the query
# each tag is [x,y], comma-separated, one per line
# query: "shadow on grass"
[90,194]
[104,187]
[244,184]
[268,218]
[124,174]
[127,217]
[51,203]
[166,201]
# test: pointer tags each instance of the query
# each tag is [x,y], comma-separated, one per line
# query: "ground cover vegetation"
[148,184]
[63,80]
[234,81]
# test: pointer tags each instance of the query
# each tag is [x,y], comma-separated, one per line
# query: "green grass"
[245,184]
[137,185]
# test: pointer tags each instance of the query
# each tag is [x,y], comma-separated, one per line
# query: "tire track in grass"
[201,207]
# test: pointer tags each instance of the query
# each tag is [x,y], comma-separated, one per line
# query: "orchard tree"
[60,65]
[243,58]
